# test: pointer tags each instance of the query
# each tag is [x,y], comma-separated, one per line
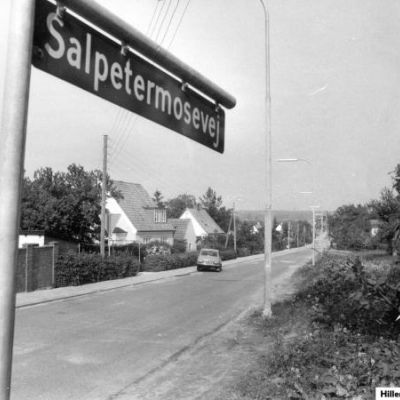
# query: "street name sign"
[66,47]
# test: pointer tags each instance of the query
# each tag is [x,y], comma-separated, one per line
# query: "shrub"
[243,252]
[80,269]
[227,254]
[157,248]
[179,246]
[157,263]
[342,292]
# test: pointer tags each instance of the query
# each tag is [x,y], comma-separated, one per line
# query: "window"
[160,216]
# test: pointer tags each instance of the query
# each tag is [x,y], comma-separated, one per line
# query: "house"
[375,225]
[203,224]
[31,237]
[255,229]
[40,238]
[136,218]
[184,232]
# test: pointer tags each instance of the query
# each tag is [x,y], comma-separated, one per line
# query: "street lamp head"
[288,159]
[294,159]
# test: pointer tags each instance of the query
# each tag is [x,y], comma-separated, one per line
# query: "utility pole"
[103,198]
[313,236]
[267,311]
[288,236]
[234,227]
[313,233]
[227,233]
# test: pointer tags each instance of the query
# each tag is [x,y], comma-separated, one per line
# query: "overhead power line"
[158,2]
[151,31]
[124,123]
[170,21]
[179,24]
[163,20]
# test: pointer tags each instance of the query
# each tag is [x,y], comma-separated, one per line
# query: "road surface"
[101,345]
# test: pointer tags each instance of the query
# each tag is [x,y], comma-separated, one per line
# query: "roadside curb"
[38,297]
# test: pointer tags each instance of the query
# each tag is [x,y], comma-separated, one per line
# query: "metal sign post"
[164,90]
[12,151]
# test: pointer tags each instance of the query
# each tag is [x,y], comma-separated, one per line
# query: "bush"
[131,249]
[156,247]
[342,292]
[80,269]
[227,254]
[157,263]
[243,252]
[179,246]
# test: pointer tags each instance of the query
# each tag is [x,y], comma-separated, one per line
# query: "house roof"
[33,232]
[206,222]
[139,207]
[180,226]
[118,230]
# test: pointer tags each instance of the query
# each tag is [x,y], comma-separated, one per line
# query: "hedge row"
[157,263]
[227,254]
[83,268]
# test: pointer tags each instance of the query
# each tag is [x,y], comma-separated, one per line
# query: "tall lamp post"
[313,233]
[267,312]
[312,207]
[288,160]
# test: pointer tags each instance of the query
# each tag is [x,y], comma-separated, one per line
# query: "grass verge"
[313,358]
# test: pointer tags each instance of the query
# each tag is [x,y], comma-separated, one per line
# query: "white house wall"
[123,222]
[198,230]
[30,239]
[190,237]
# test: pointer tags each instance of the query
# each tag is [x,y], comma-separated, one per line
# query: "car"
[209,259]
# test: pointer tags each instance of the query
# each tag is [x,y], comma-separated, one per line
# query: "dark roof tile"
[139,207]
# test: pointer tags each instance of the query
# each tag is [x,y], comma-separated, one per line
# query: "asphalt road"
[95,346]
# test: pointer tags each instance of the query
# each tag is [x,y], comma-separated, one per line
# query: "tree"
[66,205]
[250,236]
[387,210]
[349,227]
[158,199]
[213,205]
[177,205]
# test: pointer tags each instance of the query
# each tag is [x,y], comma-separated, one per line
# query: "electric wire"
[170,21]
[124,129]
[157,19]
[116,127]
[153,16]
[163,20]
[129,121]
[121,142]
[118,143]
[122,137]
[179,24]
[132,163]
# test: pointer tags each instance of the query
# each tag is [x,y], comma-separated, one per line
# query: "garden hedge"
[83,268]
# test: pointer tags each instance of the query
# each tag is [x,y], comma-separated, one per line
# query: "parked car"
[209,259]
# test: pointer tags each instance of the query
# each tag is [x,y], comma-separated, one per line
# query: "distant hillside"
[280,215]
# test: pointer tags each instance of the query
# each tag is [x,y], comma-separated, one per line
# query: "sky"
[335,92]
